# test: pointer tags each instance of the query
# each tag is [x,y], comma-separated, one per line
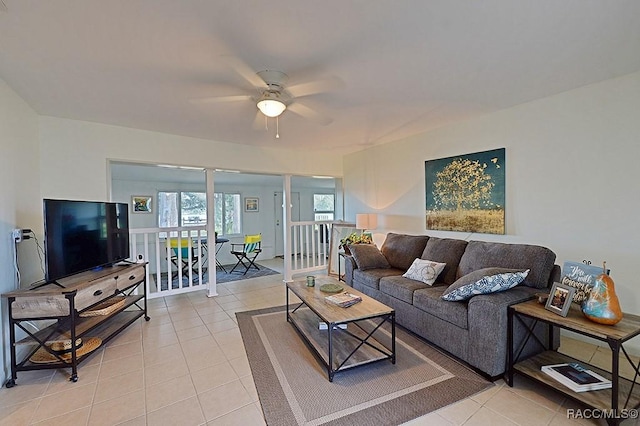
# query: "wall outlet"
[17,235]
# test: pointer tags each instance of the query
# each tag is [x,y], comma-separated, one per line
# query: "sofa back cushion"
[539,260]
[445,250]
[401,250]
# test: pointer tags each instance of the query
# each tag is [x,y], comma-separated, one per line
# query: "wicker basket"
[63,350]
[105,307]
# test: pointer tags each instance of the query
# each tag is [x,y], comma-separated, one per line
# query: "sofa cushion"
[425,271]
[429,300]
[400,287]
[367,256]
[483,281]
[371,277]
[445,250]
[400,250]
[539,260]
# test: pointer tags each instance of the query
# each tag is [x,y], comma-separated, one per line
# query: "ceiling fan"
[273,96]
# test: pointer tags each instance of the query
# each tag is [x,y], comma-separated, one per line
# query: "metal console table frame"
[605,400]
[71,326]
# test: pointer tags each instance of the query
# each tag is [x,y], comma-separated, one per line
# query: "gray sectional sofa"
[475,330]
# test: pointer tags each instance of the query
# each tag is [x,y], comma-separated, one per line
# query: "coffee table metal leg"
[393,338]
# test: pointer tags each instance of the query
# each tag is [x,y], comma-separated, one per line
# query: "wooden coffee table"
[352,337]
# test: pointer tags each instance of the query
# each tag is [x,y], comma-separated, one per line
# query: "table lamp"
[366,221]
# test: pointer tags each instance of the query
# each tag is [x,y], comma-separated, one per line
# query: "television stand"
[74,304]
[54,282]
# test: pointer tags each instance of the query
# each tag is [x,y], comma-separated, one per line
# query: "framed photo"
[560,299]
[141,203]
[251,204]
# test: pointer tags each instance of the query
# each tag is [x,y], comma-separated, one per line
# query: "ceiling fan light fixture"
[270,104]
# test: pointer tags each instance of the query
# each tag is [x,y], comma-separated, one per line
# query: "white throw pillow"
[426,271]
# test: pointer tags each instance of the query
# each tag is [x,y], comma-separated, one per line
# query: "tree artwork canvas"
[466,193]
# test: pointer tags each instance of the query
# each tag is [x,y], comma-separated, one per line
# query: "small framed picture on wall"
[251,204]
[141,203]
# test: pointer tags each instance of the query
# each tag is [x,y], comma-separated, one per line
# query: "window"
[190,209]
[228,213]
[323,206]
[193,208]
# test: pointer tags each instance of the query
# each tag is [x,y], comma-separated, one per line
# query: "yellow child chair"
[247,251]
[183,256]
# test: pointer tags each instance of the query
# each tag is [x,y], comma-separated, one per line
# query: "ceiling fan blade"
[245,71]
[309,113]
[220,99]
[313,87]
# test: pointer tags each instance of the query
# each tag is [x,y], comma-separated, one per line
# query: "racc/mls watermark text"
[588,413]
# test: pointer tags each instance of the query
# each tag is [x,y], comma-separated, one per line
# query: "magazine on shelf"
[343,300]
[576,377]
[323,326]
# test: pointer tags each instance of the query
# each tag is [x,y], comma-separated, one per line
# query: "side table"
[607,401]
[342,256]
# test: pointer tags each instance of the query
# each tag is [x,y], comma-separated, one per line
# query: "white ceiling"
[406,66]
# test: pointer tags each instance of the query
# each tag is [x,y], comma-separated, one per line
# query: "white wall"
[75,154]
[572,177]
[20,201]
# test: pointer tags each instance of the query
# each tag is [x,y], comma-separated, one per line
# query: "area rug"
[221,276]
[224,277]
[294,390]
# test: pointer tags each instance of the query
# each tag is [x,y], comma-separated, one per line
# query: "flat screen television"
[83,235]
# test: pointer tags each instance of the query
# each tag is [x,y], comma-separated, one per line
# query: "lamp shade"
[270,104]
[366,221]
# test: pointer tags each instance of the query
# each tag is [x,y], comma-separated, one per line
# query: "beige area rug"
[294,390]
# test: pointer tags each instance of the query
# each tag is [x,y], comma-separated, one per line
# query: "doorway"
[295,217]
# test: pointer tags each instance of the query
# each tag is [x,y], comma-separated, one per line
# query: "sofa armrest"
[487,318]
[349,267]
[556,274]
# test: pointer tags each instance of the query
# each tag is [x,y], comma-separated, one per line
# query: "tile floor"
[187,366]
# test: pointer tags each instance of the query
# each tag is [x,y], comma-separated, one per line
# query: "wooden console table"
[64,302]
[609,400]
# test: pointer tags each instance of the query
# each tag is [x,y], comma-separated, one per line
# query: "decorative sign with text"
[582,277]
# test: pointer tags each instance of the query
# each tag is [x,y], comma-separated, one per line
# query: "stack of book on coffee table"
[344,300]
[576,377]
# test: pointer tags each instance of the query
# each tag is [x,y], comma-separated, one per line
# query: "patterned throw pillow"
[485,285]
[424,270]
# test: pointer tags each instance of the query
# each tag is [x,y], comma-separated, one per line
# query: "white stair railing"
[309,246]
[172,270]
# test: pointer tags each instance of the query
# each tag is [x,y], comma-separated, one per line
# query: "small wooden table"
[342,257]
[605,400]
[348,340]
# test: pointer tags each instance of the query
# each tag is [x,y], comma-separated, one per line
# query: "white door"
[295,217]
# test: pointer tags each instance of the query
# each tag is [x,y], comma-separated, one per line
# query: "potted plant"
[354,238]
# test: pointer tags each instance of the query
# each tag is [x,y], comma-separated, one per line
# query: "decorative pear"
[603,305]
